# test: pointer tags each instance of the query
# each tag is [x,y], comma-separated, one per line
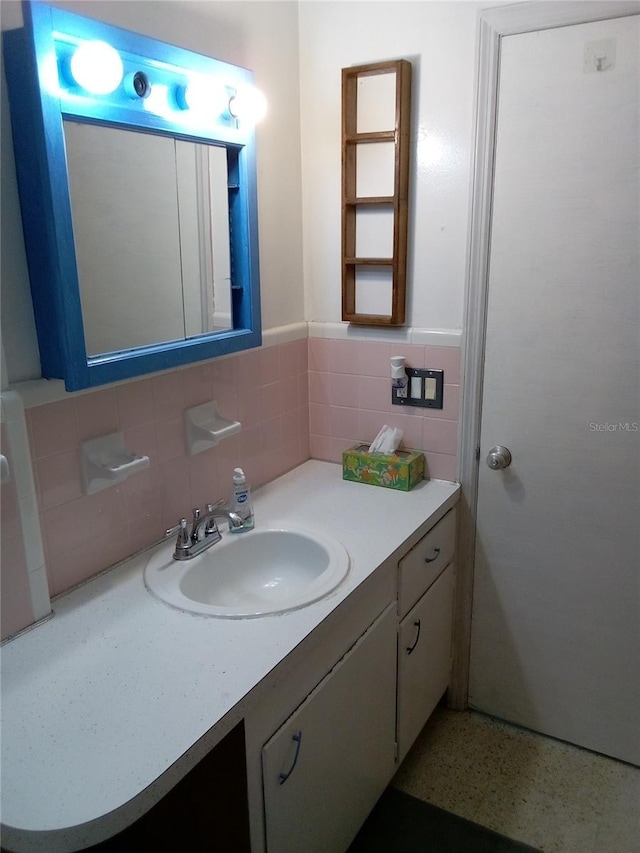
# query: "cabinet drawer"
[425,561]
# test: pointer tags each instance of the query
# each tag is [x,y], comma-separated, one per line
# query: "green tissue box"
[401,470]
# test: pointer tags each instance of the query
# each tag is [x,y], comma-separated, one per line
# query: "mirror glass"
[151,232]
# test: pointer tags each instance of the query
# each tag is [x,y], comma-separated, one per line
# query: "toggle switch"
[430,388]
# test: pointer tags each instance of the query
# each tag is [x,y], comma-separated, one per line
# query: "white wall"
[256,35]
[440,40]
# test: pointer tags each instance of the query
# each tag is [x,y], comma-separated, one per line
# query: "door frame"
[493,25]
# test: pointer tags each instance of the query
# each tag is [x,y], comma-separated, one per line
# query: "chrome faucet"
[204,531]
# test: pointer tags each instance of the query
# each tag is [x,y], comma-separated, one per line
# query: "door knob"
[499,457]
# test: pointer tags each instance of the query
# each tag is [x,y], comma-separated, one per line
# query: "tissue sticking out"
[386,441]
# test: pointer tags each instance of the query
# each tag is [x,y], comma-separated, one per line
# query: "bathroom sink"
[249,574]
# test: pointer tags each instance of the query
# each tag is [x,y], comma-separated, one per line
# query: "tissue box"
[400,470]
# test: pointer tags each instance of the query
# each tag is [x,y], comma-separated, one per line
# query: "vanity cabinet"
[326,766]
[278,734]
[426,582]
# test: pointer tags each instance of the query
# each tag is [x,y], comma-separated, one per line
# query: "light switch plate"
[426,389]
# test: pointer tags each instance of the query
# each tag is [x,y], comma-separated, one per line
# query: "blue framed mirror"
[136,170]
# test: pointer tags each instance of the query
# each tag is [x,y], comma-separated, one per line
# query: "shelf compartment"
[370,291]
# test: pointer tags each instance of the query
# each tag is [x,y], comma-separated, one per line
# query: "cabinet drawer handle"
[411,648]
[297,737]
[436,554]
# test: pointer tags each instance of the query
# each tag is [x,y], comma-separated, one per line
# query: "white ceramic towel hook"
[106,462]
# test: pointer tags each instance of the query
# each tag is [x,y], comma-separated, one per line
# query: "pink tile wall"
[350,400]
[16,611]
[295,400]
[266,390]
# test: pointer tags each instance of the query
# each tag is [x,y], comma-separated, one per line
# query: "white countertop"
[98,702]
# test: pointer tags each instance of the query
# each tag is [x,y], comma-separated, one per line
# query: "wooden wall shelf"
[376,115]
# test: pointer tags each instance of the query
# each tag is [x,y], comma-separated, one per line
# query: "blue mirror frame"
[41,96]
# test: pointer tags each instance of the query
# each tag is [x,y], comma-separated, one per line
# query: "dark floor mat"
[401,823]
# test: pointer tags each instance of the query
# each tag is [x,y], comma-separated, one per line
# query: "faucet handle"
[195,532]
[182,531]
[211,526]
[180,526]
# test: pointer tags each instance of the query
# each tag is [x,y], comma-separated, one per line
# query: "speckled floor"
[553,796]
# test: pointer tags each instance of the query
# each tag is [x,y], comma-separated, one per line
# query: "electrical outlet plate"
[419,390]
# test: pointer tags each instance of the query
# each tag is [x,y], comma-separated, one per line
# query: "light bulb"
[97,67]
[205,95]
[248,104]
[157,101]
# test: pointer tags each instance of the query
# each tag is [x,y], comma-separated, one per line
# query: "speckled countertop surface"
[98,702]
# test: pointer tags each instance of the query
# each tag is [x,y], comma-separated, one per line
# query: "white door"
[556,620]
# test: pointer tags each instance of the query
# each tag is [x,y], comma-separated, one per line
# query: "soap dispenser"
[241,501]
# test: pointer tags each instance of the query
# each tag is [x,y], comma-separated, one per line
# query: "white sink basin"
[249,574]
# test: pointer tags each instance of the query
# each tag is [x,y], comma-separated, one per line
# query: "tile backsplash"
[350,400]
[266,390]
[295,400]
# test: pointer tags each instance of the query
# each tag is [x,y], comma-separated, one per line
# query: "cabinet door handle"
[436,554]
[411,648]
[297,737]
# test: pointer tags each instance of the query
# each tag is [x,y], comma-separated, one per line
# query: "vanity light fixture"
[96,67]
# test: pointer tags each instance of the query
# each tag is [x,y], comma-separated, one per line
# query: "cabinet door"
[424,658]
[324,769]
